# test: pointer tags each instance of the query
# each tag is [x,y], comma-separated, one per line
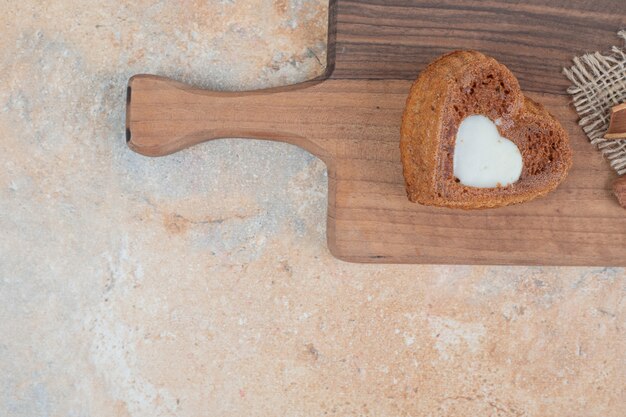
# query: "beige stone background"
[199,284]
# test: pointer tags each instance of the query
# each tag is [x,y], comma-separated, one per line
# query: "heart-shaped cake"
[470,139]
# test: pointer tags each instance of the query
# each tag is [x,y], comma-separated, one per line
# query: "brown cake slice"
[451,89]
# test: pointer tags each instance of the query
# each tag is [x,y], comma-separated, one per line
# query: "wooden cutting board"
[351,120]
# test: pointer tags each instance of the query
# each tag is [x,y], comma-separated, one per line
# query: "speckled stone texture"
[199,284]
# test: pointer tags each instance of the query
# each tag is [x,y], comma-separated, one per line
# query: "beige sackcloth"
[599,83]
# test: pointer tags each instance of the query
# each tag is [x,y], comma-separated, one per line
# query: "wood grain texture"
[395,39]
[352,123]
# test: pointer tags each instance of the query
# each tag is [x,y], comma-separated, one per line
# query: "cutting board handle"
[164,116]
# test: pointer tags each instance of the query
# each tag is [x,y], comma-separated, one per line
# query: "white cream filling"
[483,158]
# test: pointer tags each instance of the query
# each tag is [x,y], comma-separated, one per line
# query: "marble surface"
[199,284]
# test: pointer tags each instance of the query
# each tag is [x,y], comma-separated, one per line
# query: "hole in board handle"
[129,92]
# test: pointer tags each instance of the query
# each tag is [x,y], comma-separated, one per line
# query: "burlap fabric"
[599,83]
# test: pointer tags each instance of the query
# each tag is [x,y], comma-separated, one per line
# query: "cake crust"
[464,83]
